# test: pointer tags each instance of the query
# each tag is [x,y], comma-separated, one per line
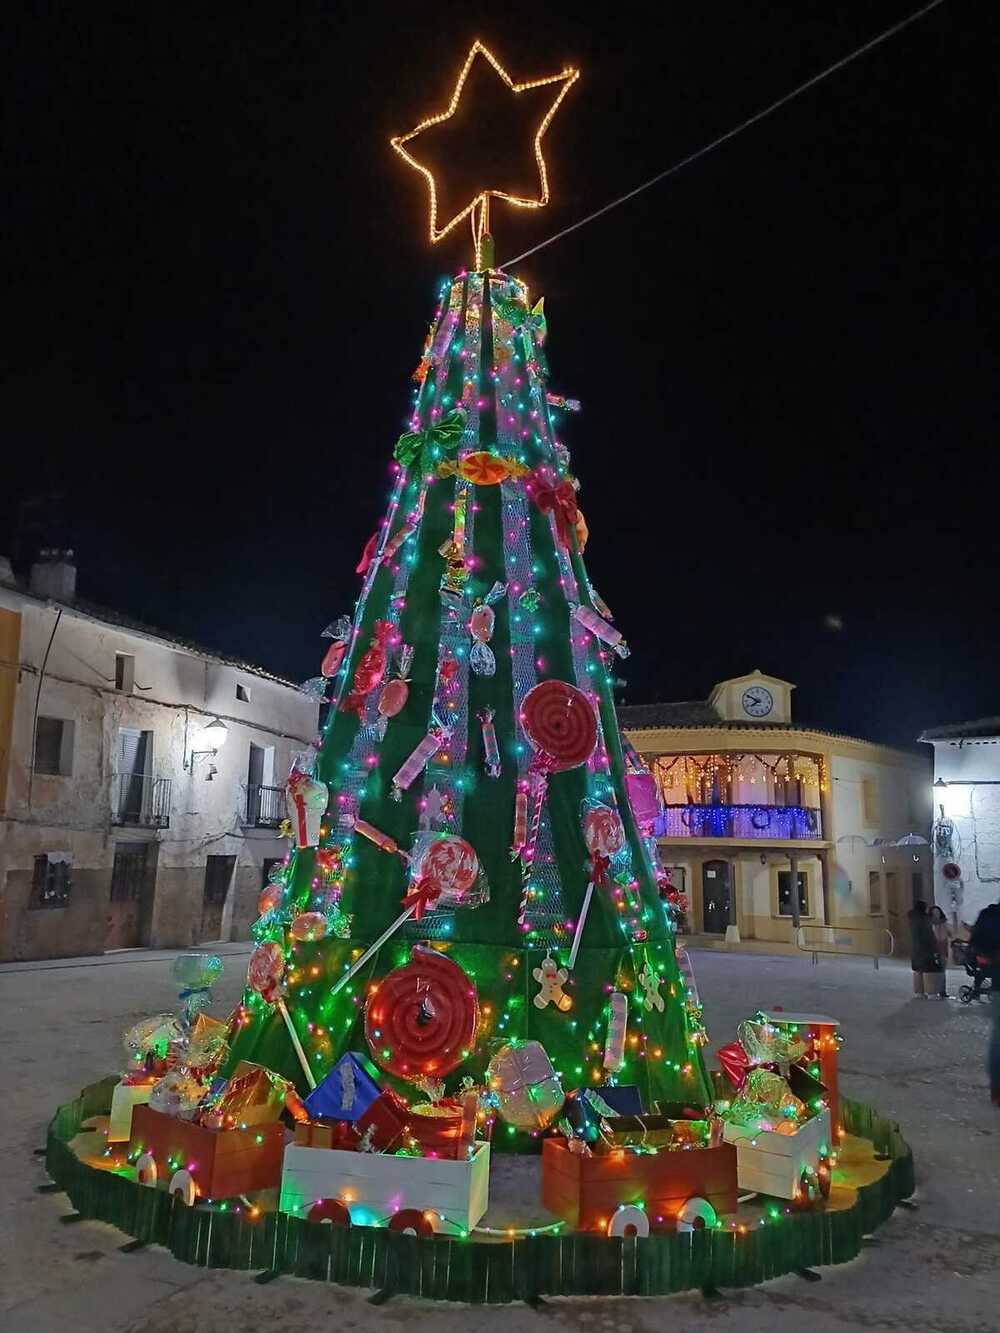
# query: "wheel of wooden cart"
[411,1221]
[145,1170]
[330,1210]
[628,1220]
[696,1215]
[182,1185]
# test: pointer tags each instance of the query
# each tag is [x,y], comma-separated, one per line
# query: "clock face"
[757,701]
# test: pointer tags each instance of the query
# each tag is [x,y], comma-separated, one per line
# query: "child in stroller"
[977,967]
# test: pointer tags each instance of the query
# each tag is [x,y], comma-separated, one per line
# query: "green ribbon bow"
[517,314]
[445,436]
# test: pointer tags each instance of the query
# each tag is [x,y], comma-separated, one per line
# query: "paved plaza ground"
[935,1268]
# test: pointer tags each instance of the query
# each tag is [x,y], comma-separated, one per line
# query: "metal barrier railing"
[854,941]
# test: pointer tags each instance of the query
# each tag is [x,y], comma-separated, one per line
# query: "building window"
[52,880]
[869,802]
[54,746]
[243,693]
[124,672]
[785,893]
[874,891]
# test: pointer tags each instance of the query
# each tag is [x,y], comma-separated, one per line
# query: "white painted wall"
[972,810]
[177,692]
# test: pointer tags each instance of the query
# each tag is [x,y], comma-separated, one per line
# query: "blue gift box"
[347,1091]
[623,1098]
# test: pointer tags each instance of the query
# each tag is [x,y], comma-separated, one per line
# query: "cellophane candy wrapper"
[178,1093]
[766,1044]
[766,1101]
[151,1036]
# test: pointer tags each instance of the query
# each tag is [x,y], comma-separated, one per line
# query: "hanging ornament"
[422,1020]
[339,631]
[481,622]
[551,978]
[555,497]
[526,1087]
[529,600]
[270,899]
[614,1044]
[600,628]
[491,750]
[604,834]
[651,981]
[393,698]
[370,670]
[307,799]
[415,764]
[308,926]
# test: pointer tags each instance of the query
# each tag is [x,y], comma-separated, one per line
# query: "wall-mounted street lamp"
[213,737]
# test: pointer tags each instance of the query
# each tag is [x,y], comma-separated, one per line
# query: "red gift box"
[326,1134]
[388,1120]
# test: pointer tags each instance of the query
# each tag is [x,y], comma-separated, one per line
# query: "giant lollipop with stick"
[561,727]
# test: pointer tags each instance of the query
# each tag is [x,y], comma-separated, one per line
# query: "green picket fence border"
[445,1268]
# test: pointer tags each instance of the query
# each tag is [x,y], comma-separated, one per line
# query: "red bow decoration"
[735,1063]
[558,500]
[599,868]
[422,896]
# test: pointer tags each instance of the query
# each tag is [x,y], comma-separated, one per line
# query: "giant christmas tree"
[471,773]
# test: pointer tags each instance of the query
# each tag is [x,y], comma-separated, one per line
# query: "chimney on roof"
[53,575]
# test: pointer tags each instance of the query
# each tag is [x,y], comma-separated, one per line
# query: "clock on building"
[757,701]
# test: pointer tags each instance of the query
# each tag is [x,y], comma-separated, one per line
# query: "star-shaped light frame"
[478,207]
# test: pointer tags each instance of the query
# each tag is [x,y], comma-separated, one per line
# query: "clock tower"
[754,698]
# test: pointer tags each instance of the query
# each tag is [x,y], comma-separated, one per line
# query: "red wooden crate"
[585,1191]
[223,1163]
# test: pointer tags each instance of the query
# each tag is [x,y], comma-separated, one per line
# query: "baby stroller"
[977,967]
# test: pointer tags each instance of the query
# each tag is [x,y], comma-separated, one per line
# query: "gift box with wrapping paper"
[252,1095]
[326,1134]
[623,1098]
[446,1128]
[347,1091]
[384,1124]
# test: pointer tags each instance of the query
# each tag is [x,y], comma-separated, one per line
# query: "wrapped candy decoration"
[527,1088]
[766,1044]
[393,698]
[369,672]
[308,926]
[367,555]
[307,798]
[481,622]
[415,764]
[766,1097]
[178,1093]
[491,750]
[270,898]
[599,627]
[266,969]
[614,1044]
[315,688]
[643,798]
[151,1038]
[340,632]
[195,973]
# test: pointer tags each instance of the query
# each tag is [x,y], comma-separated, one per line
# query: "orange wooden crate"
[223,1163]
[585,1191]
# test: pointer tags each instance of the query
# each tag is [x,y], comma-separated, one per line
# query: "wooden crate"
[770,1163]
[222,1163]
[125,1098]
[585,1191]
[374,1186]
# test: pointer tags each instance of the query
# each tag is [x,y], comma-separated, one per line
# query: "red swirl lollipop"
[452,865]
[560,724]
[422,1019]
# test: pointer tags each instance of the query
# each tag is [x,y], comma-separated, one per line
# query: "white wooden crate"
[124,1099]
[376,1185]
[770,1163]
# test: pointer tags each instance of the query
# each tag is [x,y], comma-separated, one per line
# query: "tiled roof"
[692,713]
[983,726]
[106,616]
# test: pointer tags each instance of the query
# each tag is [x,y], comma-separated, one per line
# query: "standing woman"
[942,943]
[923,950]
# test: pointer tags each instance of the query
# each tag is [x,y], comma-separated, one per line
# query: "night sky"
[222,283]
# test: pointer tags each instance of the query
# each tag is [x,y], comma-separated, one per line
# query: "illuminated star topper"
[478,208]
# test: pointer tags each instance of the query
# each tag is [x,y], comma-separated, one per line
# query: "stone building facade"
[141,779]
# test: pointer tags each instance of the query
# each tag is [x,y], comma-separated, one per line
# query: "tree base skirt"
[493,1272]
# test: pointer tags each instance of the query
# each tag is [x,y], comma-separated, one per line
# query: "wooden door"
[716,888]
[218,877]
[125,905]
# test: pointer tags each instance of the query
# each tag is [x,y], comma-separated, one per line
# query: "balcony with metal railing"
[140,800]
[265,806]
[759,823]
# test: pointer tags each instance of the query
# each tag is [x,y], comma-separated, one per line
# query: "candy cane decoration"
[614,1044]
[491,750]
[600,628]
